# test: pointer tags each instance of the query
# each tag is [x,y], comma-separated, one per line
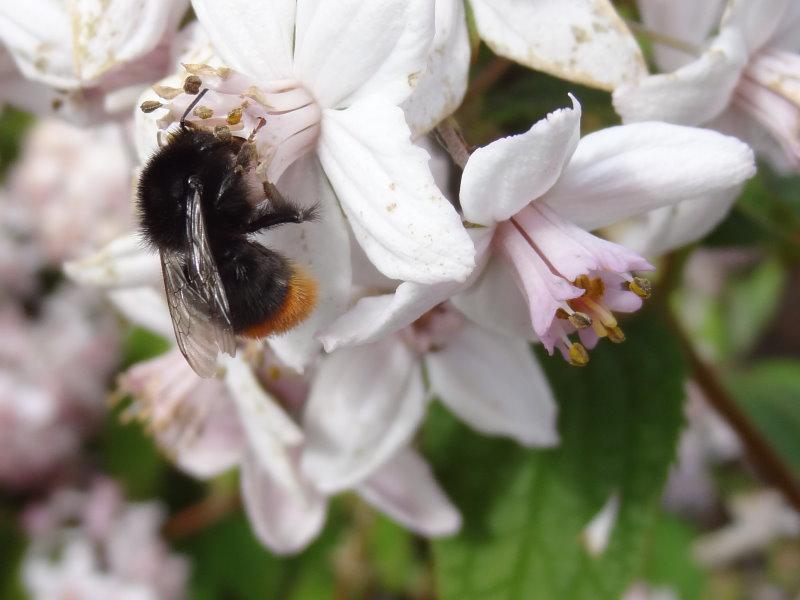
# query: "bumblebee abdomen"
[266,294]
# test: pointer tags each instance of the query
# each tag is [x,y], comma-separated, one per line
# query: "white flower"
[537,195]
[94,546]
[329,78]
[368,401]
[208,426]
[87,59]
[584,41]
[745,82]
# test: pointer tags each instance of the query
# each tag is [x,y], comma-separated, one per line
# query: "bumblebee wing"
[196,298]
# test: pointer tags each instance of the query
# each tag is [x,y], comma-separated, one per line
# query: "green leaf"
[669,559]
[525,510]
[770,394]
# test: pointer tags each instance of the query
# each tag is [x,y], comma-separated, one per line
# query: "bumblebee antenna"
[191,106]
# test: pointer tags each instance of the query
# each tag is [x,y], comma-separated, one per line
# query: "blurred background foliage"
[525,510]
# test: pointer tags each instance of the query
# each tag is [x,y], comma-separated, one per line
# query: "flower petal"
[271,433]
[398,215]
[686,20]
[441,89]
[631,169]
[365,403]
[123,263]
[694,94]
[406,490]
[322,248]
[349,49]
[146,307]
[494,383]
[74,44]
[375,317]
[285,519]
[495,302]
[657,232]
[255,38]
[501,178]
[581,40]
[758,20]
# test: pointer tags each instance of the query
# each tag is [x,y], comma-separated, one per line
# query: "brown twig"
[448,133]
[486,78]
[769,466]
[198,516]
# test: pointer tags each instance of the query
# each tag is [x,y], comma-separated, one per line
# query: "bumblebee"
[199,201]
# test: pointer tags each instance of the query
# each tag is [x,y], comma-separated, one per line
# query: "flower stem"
[761,455]
[197,517]
[448,134]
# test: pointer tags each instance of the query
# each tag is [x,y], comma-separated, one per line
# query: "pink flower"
[95,546]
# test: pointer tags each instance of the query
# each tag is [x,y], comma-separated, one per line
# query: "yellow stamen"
[580,320]
[235,116]
[616,335]
[578,356]
[601,312]
[203,112]
[641,287]
[149,106]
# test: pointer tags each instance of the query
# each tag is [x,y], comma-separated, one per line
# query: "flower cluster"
[423,293]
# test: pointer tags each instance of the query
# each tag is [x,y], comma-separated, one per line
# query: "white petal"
[597,533]
[406,226]
[39,33]
[375,317]
[69,44]
[271,433]
[693,94]
[670,227]
[365,403]
[123,263]
[631,169]
[686,20]
[758,20]
[255,38]
[580,40]
[322,248]
[285,519]
[495,302]
[494,384]
[503,177]
[441,89]
[146,307]
[406,490]
[351,49]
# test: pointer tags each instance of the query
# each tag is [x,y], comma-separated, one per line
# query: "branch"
[448,134]
[197,517]
[769,466]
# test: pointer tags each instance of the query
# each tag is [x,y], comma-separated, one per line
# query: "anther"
[192,84]
[641,287]
[580,320]
[235,116]
[222,133]
[167,92]
[616,335]
[149,106]
[578,356]
[203,112]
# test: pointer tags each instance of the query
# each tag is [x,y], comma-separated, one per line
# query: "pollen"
[578,355]
[300,302]
[191,85]
[149,106]
[641,287]
[203,112]
[235,116]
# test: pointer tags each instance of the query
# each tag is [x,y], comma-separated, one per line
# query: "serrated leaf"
[525,510]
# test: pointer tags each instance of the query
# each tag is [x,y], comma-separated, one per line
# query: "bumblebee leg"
[276,210]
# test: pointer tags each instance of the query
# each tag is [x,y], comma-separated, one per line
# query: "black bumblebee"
[199,200]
